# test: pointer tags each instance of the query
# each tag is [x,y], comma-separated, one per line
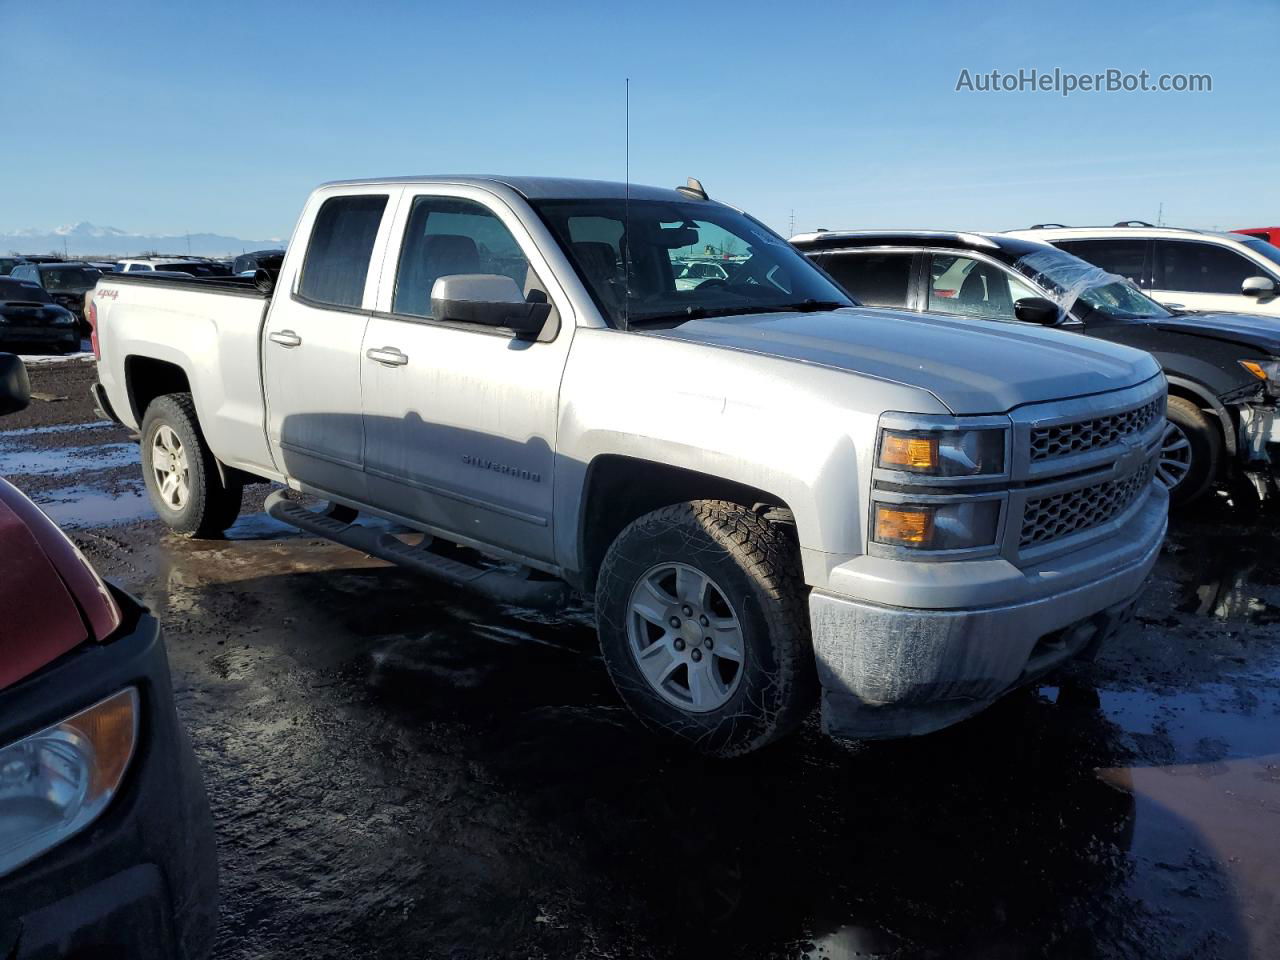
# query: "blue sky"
[221,116]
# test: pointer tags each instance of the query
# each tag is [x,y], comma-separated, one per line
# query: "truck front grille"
[1061,514]
[1064,439]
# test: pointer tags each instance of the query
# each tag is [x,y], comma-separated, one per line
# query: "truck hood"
[971,366]
[1258,334]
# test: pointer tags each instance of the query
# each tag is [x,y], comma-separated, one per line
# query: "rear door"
[311,356]
[460,419]
[1128,257]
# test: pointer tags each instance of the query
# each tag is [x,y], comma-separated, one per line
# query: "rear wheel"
[181,473]
[701,609]
[1190,451]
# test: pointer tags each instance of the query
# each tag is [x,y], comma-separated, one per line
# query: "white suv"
[1185,269]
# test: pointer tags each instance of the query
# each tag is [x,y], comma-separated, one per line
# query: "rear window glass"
[874,279]
[337,262]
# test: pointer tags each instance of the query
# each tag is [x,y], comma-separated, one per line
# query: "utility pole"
[1160,215]
[792,232]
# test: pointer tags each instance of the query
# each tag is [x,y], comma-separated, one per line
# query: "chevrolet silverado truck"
[769,493]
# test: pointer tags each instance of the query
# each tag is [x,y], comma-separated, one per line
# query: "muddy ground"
[400,770]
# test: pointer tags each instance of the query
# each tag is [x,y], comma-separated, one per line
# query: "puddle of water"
[63,459]
[9,436]
[80,506]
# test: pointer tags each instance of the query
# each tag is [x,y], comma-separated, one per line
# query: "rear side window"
[1124,257]
[446,236]
[1200,268]
[874,279]
[337,262]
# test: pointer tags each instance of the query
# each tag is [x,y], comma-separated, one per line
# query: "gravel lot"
[396,769]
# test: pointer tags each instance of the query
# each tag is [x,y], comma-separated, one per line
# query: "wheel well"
[1216,415]
[148,378]
[620,489]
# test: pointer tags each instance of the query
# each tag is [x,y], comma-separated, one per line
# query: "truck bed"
[210,330]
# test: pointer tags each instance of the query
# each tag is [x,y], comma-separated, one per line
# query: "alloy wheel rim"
[686,637]
[170,467]
[1175,455]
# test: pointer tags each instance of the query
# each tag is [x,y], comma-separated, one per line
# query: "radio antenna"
[625,242]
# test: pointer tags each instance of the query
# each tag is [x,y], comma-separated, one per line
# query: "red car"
[106,840]
[1269,234]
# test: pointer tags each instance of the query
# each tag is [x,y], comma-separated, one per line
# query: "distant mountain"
[88,240]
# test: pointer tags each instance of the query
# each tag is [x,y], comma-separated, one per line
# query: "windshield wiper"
[702,313]
[812,306]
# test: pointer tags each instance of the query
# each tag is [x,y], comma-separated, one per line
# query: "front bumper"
[141,881]
[1259,445]
[27,338]
[895,671]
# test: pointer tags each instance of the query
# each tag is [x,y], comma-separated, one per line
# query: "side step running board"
[334,524]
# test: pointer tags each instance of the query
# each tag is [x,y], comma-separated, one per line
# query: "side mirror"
[1260,287]
[1037,310]
[15,388]
[489,299]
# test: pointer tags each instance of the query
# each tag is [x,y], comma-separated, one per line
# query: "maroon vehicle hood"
[52,599]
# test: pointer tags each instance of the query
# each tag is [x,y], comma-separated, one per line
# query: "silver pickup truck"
[770,493]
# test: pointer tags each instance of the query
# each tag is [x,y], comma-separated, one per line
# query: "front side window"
[341,245]
[963,286]
[1126,258]
[1200,267]
[447,236]
[1084,289]
[633,257]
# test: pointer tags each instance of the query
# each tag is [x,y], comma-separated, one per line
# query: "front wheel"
[181,473]
[703,622]
[1189,452]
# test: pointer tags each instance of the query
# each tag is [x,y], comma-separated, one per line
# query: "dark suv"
[1223,371]
[66,283]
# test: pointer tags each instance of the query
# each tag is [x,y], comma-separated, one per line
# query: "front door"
[311,356]
[1205,277]
[460,419]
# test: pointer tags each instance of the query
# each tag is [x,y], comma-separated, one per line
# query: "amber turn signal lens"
[913,453]
[112,727]
[1254,368]
[909,526]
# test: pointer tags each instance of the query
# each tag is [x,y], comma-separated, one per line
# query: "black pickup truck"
[1223,369]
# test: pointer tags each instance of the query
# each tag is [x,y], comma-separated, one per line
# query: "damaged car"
[1223,369]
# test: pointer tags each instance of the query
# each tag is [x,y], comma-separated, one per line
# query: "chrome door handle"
[387,356]
[286,338]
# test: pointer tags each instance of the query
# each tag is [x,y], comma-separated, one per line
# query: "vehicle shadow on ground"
[996,838]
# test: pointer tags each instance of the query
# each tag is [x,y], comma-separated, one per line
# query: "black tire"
[1205,441]
[210,506]
[755,565]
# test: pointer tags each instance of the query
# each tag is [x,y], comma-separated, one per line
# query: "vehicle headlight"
[943,453]
[66,319]
[56,782]
[1267,371]
[936,526]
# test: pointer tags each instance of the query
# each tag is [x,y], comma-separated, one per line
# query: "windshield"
[1074,282]
[11,290]
[1261,247]
[74,279]
[670,261]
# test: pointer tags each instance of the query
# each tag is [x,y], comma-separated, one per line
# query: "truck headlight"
[943,453]
[1268,371]
[936,526]
[56,782]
